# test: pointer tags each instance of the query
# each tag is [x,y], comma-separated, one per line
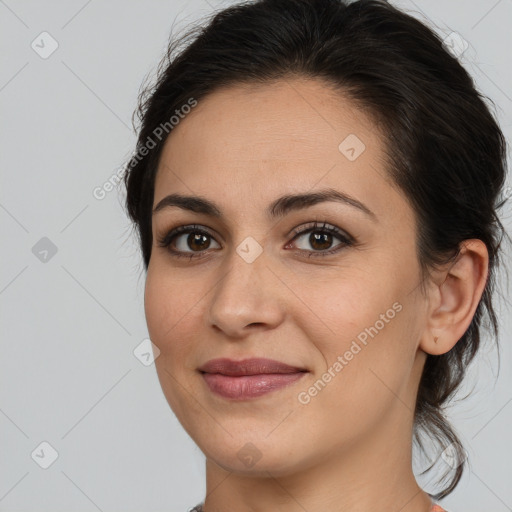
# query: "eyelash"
[347,241]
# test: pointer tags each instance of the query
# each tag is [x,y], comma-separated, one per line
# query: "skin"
[349,447]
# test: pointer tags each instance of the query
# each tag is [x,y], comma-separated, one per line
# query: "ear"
[454,295]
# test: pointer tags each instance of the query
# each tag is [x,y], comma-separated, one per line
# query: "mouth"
[249,378]
[253,366]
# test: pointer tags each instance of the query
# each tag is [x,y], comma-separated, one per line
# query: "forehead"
[259,140]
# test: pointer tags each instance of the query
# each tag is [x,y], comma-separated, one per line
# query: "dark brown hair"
[445,150]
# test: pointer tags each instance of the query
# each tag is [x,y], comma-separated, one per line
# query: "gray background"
[71,323]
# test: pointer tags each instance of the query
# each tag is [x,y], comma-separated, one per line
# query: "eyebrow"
[277,208]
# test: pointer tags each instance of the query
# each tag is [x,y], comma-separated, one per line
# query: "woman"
[315,188]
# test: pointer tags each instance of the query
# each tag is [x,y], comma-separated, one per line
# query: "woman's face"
[343,306]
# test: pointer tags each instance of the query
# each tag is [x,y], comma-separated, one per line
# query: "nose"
[246,297]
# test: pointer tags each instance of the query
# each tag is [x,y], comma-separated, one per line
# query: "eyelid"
[345,238]
[169,235]
[322,226]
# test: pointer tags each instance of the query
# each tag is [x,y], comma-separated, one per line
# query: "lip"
[252,366]
[248,378]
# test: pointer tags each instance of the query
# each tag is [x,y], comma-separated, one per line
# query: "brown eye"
[321,239]
[197,242]
[186,241]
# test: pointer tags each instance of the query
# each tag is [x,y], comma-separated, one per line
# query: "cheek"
[349,306]
[156,307]
[367,324]
[371,355]
[169,309]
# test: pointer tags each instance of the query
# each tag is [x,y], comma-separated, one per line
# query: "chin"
[255,458]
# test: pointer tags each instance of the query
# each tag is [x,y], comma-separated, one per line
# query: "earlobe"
[456,298]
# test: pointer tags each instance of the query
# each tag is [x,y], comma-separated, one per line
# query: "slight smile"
[248,378]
